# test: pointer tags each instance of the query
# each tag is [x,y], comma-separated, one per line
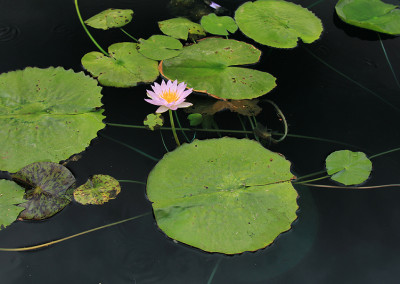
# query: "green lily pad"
[370,14]
[348,167]
[46,115]
[218,25]
[153,121]
[159,47]
[195,119]
[110,18]
[11,194]
[181,28]
[278,23]
[98,190]
[207,67]
[47,187]
[223,195]
[125,67]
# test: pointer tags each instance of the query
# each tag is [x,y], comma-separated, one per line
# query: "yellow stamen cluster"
[169,96]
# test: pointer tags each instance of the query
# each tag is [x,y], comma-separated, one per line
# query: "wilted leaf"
[97,190]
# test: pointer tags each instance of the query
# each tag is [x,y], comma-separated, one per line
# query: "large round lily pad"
[216,25]
[11,194]
[348,167]
[47,187]
[278,23]
[181,28]
[124,68]
[208,67]
[97,190]
[46,115]
[160,47]
[370,14]
[223,195]
[110,18]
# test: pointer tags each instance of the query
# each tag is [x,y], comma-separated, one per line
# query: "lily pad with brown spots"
[98,190]
[47,188]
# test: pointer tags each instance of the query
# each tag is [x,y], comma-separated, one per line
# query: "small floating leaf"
[195,119]
[98,190]
[110,18]
[159,47]
[46,115]
[47,189]
[153,121]
[348,167]
[370,14]
[181,28]
[278,23]
[218,25]
[210,67]
[223,195]
[11,194]
[210,106]
[125,67]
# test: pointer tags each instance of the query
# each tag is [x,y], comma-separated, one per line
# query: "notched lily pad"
[370,14]
[278,23]
[210,106]
[210,67]
[348,167]
[181,28]
[125,67]
[195,119]
[223,195]
[216,25]
[110,18]
[11,194]
[47,187]
[98,190]
[153,121]
[159,47]
[46,115]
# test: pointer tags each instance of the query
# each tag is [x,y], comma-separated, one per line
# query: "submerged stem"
[306,181]
[384,153]
[87,31]
[73,236]
[352,187]
[131,181]
[171,118]
[180,126]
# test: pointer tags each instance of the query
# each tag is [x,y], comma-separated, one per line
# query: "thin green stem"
[311,180]
[243,126]
[388,61]
[352,187]
[214,271]
[351,80]
[280,113]
[384,153]
[186,129]
[73,236]
[131,181]
[130,147]
[314,4]
[87,31]
[163,141]
[310,175]
[171,118]
[125,32]
[253,127]
[180,126]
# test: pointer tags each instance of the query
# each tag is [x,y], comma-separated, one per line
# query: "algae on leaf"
[11,194]
[370,14]
[97,190]
[110,18]
[223,195]
[153,121]
[210,66]
[47,187]
[46,115]
[278,23]
[125,67]
[181,28]
[348,167]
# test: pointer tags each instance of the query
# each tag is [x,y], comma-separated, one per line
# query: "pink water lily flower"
[168,95]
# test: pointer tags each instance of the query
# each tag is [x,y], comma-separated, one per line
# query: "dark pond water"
[331,89]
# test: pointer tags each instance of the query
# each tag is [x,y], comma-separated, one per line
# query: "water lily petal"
[161,109]
[154,102]
[184,104]
[151,95]
[181,87]
[157,88]
[186,93]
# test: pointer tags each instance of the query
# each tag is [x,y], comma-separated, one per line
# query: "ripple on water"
[8,33]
